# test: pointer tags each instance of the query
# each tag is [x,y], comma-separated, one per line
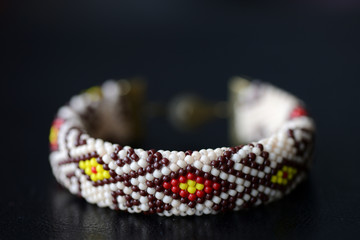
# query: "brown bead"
[252,156]
[135,188]
[167,192]
[136,202]
[182,172]
[166,178]
[141,171]
[190,169]
[265,155]
[174,175]
[114,156]
[192,204]
[159,188]
[150,169]
[158,156]
[143,193]
[133,174]
[150,159]
[215,163]
[207,176]
[216,207]
[167,207]
[151,198]
[165,161]
[127,160]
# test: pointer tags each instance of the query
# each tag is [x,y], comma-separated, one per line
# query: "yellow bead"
[191,183]
[93,177]
[183,186]
[106,174]
[280,180]
[82,165]
[199,186]
[191,189]
[88,171]
[285,168]
[290,176]
[279,173]
[99,176]
[285,181]
[93,162]
[87,163]
[273,179]
[99,168]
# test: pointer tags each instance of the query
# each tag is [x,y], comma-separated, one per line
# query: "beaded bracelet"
[176,182]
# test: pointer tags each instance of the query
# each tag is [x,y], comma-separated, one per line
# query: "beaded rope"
[192,182]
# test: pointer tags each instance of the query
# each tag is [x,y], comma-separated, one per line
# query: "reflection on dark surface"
[91,222]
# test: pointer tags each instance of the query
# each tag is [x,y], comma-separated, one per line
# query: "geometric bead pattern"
[177,182]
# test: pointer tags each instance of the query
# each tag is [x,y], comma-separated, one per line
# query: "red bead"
[208,183]
[166,185]
[184,193]
[192,197]
[216,186]
[175,189]
[93,169]
[298,112]
[200,194]
[208,189]
[190,176]
[182,179]
[174,182]
[199,180]
[285,174]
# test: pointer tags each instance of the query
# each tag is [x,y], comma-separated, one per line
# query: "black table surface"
[52,50]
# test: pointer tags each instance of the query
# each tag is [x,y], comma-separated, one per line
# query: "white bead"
[256,150]
[144,199]
[174,167]
[143,155]
[232,192]
[144,207]
[223,175]
[231,178]
[216,199]
[122,153]
[112,165]
[165,171]
[142,186]
[196,155]
[119,171]
[205,160]
[206,168]
[261,174]
[239,202]
[224,195]
[134,166]
[167,199]
[149,177]
[135,195]
[183,207]
[189,159]
[246,170]
[157,173]
[215,172]
[236,158]
[142,163]
[113,187]
[126,169]
[209,203]
[127,190]
[198,164]
[239,188]
[253,172]
[259,160]
[181,163]
[238,166]
[254,193]
[159,195]
[151,190]
[247,183]
[246,197]
[106,158]
[181,155]
[175,203]
[134,181]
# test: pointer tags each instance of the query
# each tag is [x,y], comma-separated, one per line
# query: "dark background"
[51,50]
